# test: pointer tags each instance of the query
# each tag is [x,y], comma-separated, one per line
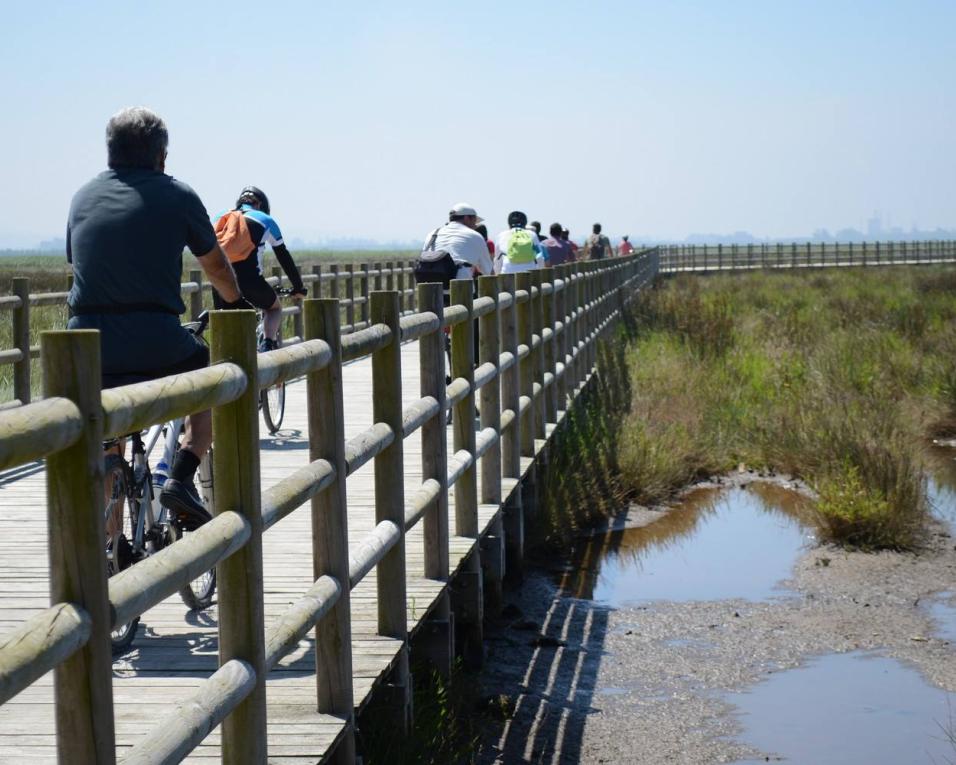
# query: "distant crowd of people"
[462,249]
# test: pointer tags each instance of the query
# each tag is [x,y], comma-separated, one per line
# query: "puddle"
[943,610]
[848,709]
[941,484]
[716,545]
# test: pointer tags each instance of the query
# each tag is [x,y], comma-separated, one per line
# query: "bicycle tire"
[118,550]
[272,402]
[199,593]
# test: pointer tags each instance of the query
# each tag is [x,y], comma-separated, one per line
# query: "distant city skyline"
[875,230]
[369,120]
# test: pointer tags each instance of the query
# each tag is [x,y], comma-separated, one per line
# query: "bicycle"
[272,399]
[137,525]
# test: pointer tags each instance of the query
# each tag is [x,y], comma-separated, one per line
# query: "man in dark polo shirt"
[125,237]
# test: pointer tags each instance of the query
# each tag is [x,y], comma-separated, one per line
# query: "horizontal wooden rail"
[289,363]
[371,550]
[32,431]
[365,342]
[184,729]
[295,490]
[366,445]
[284,635]
[418,413]
[38,645]
[138,588]
[132,408]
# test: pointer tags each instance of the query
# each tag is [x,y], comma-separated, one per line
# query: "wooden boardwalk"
[175,650]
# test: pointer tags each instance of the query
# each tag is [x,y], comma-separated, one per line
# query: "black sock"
[184,466]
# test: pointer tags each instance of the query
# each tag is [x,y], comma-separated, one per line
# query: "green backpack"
[521,246]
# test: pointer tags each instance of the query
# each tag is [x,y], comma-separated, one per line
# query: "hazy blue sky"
[371,118]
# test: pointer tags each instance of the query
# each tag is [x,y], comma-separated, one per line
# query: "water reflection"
[847,709]
[941,487]
[717,544]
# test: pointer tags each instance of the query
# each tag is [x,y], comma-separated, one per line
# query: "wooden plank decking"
[175,650]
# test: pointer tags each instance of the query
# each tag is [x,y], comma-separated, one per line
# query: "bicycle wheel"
[198,594]
[272,401]
[119,529]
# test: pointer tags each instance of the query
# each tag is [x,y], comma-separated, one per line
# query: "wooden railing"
[351,283]
[738,257]
[537,348]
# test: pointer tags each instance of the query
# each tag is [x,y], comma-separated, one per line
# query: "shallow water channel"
[740,543]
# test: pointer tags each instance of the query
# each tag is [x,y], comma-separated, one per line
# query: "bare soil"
[569,680]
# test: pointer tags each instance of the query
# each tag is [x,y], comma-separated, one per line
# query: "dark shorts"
[143,346]
[256,292]
[198,360]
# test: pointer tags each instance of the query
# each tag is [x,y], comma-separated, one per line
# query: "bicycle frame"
[150,514]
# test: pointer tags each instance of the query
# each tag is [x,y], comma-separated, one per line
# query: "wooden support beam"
[82,684]
[390,484]
[330,542]
[239,577]
[21,339]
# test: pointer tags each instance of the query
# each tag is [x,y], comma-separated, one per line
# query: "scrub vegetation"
[838,377]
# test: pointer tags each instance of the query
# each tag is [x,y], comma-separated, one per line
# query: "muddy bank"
[577,681]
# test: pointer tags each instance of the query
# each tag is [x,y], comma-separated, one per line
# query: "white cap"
[463,208]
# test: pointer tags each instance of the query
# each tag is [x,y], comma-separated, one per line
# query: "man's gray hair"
[136,137]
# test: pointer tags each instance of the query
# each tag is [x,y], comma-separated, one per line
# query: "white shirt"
[465,245]
[504,266]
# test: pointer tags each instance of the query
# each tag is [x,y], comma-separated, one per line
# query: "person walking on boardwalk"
[243,233]
[518,247]
[598,246]
[125,236]
[566,236]
[557,247]
[625,247]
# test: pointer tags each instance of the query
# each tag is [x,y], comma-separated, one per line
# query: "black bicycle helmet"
[517,219]
[250,194]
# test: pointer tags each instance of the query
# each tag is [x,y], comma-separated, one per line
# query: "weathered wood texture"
[296,576]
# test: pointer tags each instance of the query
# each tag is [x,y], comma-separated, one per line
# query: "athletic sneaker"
[182,498]
[267,344]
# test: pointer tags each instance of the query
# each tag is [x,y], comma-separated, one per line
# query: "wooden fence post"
[365,289]
[511,439]
[21,340]
[390,279]
[463,365]
[561,303]
[526,366]
[390,486]
[550,347]
[350,296]
[469,599]
[317,284]
[195,299]
[82,683]
[330,542]
[431,349]
[537,318]
[400,280]
[434,442]
[239,577]
[489,344]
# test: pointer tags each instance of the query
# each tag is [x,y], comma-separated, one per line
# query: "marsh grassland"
[840,377]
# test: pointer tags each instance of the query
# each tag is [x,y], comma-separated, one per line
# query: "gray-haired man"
[125,237]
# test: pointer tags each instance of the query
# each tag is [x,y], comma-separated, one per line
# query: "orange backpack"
[234,237]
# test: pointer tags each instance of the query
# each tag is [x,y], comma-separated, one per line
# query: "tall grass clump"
[835,376]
